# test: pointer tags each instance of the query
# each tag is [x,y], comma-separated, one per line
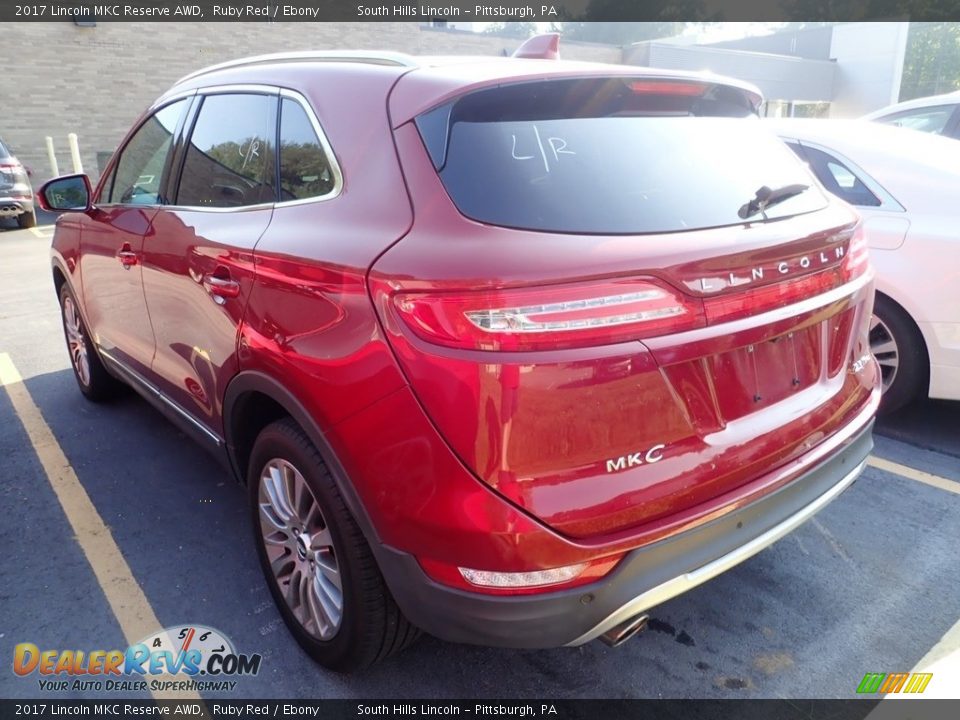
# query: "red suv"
[507,350]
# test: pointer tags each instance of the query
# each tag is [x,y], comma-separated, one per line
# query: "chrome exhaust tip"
[617,636]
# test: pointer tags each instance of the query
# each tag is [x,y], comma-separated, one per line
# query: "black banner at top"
[454,11]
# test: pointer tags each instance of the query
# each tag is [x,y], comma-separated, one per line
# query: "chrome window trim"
[887,201]
[200,208]
[243,88]
[165,99]
[324,144]
[238,89]
[300,99]
[117,156]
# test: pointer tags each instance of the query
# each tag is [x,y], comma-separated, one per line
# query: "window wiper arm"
[766,197]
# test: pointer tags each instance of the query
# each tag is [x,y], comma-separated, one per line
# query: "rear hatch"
[586,315]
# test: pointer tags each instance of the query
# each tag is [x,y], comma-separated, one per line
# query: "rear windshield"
[610,156]
[3,150]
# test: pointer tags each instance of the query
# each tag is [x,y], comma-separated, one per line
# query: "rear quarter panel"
[309,322]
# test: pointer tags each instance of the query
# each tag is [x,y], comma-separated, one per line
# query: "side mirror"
[70,192]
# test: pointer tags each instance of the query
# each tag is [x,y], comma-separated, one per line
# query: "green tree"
[854,10]
[806,12]
[520,30]
[602,22]
[619,33]
[932,62]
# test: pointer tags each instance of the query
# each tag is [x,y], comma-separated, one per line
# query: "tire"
[27,220]
[307,539]
[92,377]
[897,344]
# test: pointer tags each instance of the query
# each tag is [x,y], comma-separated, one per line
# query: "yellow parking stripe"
[36,231]
[130,606]
[912,474]
[943,661]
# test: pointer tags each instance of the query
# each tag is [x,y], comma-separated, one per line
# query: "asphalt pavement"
[869,585]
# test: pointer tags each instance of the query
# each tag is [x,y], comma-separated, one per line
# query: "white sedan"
[906,186]
[938,114]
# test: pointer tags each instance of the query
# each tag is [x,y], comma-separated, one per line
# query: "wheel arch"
[926,370]
[252,401]
[59,278]
[907,314]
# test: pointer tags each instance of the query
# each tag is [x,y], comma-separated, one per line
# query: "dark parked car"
[506,350]
[16,195]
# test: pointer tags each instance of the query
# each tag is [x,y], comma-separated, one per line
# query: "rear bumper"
[943,346]
[646,577]
[10,207]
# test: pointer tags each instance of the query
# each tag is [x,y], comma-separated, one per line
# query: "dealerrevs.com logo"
[885,683]
[190,657]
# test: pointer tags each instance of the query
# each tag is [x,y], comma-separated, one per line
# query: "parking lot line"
[127,600]
[913,474]
[943,661]
[36,231]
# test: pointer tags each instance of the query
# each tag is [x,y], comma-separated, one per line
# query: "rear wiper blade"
[765,197]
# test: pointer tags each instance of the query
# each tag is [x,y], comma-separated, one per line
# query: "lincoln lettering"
[654,454]
[784,267]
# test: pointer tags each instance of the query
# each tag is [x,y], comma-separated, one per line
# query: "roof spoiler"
[540,47]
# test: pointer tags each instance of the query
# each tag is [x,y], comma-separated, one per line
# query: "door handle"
[221,287]
[126,256]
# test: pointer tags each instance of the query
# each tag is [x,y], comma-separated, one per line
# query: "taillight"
[494,582]
[666,87]
[551,317]
[857,258]
[17,170]
[751,302]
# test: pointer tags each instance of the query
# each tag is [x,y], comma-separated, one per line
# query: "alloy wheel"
[884,347]
[300,549]
[76,342]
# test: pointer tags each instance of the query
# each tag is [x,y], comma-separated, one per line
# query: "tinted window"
[305,171]
[105,187]
[609,156]
[230,160]
[839,179]
[930,119]
[137,177]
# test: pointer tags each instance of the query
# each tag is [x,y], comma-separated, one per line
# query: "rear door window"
[839,178]
[230,159]
[306,168]
[610,156]
[928,119]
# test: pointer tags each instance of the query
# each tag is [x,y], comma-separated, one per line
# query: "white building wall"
[869,60]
